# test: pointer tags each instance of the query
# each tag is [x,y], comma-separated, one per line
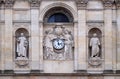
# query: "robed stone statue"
[94,44]
[22,45]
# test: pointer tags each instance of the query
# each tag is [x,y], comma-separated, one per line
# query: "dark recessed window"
[58,17]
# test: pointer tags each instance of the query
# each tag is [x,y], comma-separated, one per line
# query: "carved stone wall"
[58,43]
[60,48]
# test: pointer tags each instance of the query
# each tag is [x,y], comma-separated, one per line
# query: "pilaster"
[118,33]
[2,29]
[76,63]
[35,3]
[41,45]
[82,53]
[108,34]
[35,65]
[8,35]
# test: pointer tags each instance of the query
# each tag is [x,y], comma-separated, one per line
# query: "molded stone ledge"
[8,72]
[35,73]
[108,72]
[117,71]
[81,71]
[76,73]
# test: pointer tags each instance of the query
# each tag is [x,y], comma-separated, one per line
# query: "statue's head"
[58,30]
[94,34]
[22,34]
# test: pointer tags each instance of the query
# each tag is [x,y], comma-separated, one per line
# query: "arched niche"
[58,15]
[90,36]
[17,36]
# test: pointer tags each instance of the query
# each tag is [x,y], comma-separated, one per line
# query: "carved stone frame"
[98,25]
[16,27]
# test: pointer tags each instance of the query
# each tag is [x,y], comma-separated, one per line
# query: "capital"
[117,4]
[9,3]
[81,4]
[1,1]
[108,4]
[35,3]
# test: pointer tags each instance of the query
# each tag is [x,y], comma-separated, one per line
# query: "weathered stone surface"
[86,18]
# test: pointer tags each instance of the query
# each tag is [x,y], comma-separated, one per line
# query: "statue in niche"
[68,44]
[22,45]
[95,43]
[58,44]
[95,59]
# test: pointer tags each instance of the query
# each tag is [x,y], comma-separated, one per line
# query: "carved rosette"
[108,4]
[81,4]
[35,3]
[9,3]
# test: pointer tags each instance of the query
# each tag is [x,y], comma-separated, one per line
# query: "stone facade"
[60,50]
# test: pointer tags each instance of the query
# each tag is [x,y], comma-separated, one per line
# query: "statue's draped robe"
[22,46]
[94,43]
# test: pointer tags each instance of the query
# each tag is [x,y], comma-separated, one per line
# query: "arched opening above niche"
[58,15]
[21,30]
[94,30]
